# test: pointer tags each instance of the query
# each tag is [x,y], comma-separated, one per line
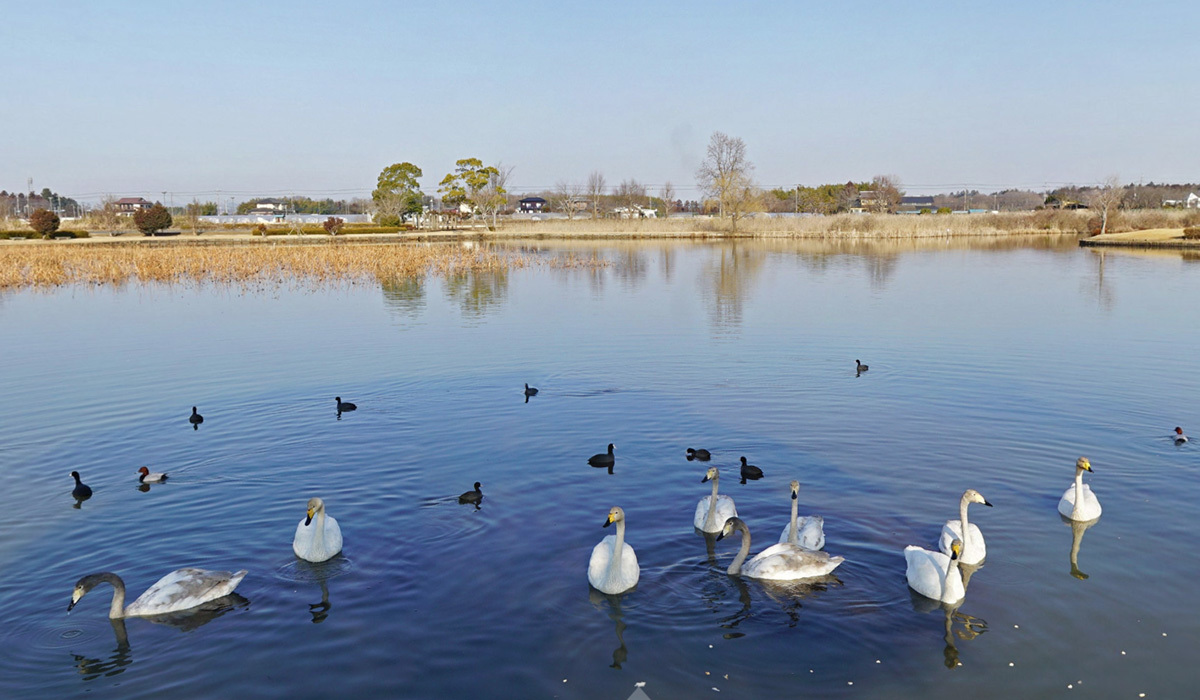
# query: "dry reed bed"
[47,266]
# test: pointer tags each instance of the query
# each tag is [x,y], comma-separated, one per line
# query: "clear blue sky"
[315,98]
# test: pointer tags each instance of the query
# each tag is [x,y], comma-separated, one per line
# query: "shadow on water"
[956,624]
[91,668]
[1077,529]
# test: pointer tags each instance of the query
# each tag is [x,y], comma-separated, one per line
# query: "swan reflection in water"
[320,611]
[1078,527]
[184,621]
[596,598]
[957,624]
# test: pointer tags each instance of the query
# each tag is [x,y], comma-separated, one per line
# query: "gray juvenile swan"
[179,590]
[317,542]
[807,532]
[613,567]
[712,511]
[779,562]
[973,549]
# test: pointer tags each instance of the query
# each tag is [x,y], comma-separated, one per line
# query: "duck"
[935,575]
[195,419]
[343,406]
[603,460]
[320,542]
[807,532]
[1180,438]
[182,589]
[1078,502]
[701,454]
[530,390]
[861,367]
[779,562]
[471,496]
[974,550]
[613,567]
[81,491]
[749,471]
[712,511]
[146,476]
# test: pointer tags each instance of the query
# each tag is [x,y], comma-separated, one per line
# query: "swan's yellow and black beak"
[608,521]
[1084,464]
[795,495]
[75,596]
[704,479]
[955,550]
[986,503]
[308,520]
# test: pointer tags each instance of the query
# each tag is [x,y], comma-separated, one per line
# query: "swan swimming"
[712,511]
[807,532]
[181,589]
[145,476]
[935,575]
[779,562]
[318,542]
[1078,502]
[608,573]
[974,550]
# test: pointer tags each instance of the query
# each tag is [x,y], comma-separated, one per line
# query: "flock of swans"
[613,566]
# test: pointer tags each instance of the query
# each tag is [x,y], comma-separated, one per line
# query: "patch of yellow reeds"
[53,265]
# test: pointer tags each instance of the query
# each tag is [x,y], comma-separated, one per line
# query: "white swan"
[1078,502]
[613,567]
[712,511]
[779,562]
[807,532]
[179,590]
[974,550]
[935,575]
[319,542]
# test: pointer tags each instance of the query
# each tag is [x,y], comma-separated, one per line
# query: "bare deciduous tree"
[725,176]
[565,196]
[667,194]
[595,189]
[631,194]
[1105,199]
[885,194]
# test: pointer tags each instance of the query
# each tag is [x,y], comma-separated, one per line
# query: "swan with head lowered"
[179,590]
[973,549]
[712,511]
[807,532]
[935,575]
[779,562]
[613,567]
[1078,502]
[317,541]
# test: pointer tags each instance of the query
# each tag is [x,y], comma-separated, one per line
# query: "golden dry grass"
[53,265]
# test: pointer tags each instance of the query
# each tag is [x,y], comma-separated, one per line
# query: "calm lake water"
[993,366]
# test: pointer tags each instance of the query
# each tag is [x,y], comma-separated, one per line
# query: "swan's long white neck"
[1078,493]
[793,531]
[319,535]
[710,520]
[736,567]
[952,566]
[614,562]
[962,515]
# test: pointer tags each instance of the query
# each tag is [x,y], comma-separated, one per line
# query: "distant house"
[128,206]
[635,213]
[1193,201]
[914,205]
[270,207]
[532,204]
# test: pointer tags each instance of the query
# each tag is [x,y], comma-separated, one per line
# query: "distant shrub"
[388,220]
[943,210]
[1192,232]
[925,211]
[333,225]
[148,221]
[44,222]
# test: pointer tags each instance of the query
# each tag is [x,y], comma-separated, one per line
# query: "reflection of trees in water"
[731,275]
[1102,291]
[405,295]
[477,292]
[630,266]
